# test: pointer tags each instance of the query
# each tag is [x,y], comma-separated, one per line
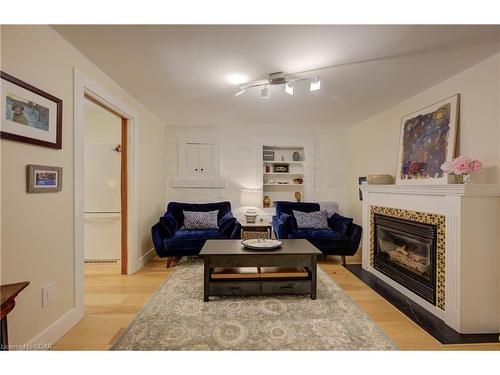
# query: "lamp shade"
[251,198]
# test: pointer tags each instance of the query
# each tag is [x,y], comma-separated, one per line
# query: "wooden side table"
[256,230]
[8,295]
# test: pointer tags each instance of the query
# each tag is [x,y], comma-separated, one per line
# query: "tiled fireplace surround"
[467,218]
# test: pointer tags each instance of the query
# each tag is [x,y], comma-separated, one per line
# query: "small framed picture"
[29,114]
[43,179]
[281,168]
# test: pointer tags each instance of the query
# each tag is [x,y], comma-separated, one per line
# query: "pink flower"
[447,167]
[475,165]
[461,164]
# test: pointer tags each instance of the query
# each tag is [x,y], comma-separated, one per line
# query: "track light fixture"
[240,92]
[280,78]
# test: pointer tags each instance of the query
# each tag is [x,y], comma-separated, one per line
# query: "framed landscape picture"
[427,140]
[29,114]
[43,179]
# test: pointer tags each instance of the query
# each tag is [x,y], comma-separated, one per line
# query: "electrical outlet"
[48,294]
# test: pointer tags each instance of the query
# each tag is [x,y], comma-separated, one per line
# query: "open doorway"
[105,186]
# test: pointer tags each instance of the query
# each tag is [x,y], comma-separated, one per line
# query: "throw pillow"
[195,220]
[339,223]
[311,220]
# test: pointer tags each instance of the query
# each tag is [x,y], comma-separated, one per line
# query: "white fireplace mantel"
[472,251]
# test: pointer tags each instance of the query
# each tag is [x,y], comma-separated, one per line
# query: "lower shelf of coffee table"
[258,287]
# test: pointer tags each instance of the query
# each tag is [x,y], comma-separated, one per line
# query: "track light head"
[289,88]
[265,93]
[315,85]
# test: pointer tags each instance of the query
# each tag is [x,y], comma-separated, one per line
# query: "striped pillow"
[311,220]
[195,220]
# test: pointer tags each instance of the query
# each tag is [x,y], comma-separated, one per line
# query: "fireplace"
[405,251]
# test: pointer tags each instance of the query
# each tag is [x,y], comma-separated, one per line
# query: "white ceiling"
[181,73]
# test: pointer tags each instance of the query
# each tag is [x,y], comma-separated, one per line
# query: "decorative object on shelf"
[296,156]
[361,181]
[251,199]
[29,114]
[271,182]
[268,155]
[43,179]
[283,182]
[266,202]
[281,168]
[427,140]
[298,196]
[298,181]
[268,168]
[261,244]
[460,168]
[379,179]
[282,158]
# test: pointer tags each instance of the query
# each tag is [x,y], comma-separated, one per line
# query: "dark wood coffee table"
[298,254]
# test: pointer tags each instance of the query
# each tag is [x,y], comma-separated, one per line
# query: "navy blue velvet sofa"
[342,238]
[171,241]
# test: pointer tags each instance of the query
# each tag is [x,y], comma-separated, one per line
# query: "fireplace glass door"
[405,251]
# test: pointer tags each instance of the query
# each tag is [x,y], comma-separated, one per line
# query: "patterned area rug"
[176,318]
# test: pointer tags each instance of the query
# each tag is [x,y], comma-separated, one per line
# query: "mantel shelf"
[447,189]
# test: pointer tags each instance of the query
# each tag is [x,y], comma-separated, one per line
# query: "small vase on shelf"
[267,201]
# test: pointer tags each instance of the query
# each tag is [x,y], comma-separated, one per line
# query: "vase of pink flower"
[460,168]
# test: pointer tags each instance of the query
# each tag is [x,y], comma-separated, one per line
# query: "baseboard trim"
[142,261]
[55,331]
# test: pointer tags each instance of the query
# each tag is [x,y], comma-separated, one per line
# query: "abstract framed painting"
[427,140]
[29,114]
[43,179]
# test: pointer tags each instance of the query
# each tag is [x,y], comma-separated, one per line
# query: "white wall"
[37,229]
[239,161]
[373,144]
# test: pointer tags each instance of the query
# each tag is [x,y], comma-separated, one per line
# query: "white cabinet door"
[192,160]
[206,160]
[199,160]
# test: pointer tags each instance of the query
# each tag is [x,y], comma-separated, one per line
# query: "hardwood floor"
[112,300]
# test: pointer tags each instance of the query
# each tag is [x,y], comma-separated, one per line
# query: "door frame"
[123,181]
[84,86]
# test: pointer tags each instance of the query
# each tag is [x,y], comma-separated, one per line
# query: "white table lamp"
[251,199]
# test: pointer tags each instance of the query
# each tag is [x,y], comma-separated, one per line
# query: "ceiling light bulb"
[289,88]
[315,85]
[240,92]
[265,93]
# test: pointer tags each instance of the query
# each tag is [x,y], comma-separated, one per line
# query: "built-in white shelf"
[283,162]
[283,173]
[283,185]
[298,168]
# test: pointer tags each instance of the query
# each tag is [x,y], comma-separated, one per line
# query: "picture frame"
[427,140]
[28,114]
[43,178]
[281,168]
